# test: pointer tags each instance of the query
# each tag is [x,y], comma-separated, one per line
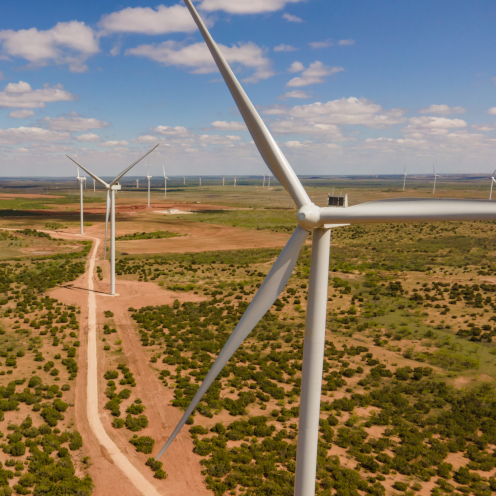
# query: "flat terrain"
[408,395]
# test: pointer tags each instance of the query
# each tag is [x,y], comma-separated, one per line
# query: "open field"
[408,402]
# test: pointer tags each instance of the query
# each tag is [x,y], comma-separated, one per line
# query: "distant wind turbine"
[263,186]
[268,187]
[184,179]
[493,180]
[435,180]
[111,189]
[94,185]
[404,178]
[137,183]
[223,181]
[149,178]
[200,181]
[235,182]
[81,180]
[165,182]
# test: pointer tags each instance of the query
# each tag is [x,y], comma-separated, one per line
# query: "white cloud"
[147,138]
[345,111]
[292,18]
[244,6]
[29,134]
[145,20]
[74,123]
[295,144]
[285,48]
[89,138]
[296,67]
[321,44]
[492,111]
[295,126]
[483,128]
[21,95]
[21,114]
[115,143]
[434,126]
[314,74]
[70,43]
[198,58]
[442,110]
[171,131]
[346,42]
[296,94]
[229,126]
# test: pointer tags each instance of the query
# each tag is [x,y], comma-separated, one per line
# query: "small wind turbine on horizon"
[319,221]
[94,185]
[493,180]
[404,178]
[234,181]
[435,179]
[165,182]
[223,181]
[263,186]
[200,181]
[149,178]
[137,183]
[111,189]
[80,180]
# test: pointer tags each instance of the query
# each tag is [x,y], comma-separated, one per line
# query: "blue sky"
[345,86]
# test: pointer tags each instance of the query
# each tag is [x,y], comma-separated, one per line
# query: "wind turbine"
[94,185]
[320,221]
[165,182]
[137,183]
[234,181]
[263,186]
[148,177]
[200,181]
[223,181]
[184,180]
[435,180]
[493,180]
[111,189]
[268,187]
[81,180]
[404,178]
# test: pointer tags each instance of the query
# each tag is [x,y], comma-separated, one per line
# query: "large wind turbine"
[493,180]
[111,189]
[165,181]
[81,180]
[149,178]
[310,218]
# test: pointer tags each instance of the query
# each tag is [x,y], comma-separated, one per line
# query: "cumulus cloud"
[29,134]
[314,74]
[115,143]
[442,110]
[70,43]
[296,94]
[310,119]
[321,44]
[492,111]
[89,138]
[171,131]
[21,114]
[244,6]
[229,126]
[292,18]
[296,67]
[483,128]
[21,95]
[198,58]
[285,48]
[434,126]
[296,126]
[346,42]
[74,122]
[145,20]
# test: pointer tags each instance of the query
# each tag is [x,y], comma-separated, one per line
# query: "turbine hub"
[309,217]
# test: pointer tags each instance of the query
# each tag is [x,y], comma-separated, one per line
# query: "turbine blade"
[116,180]
[96,178]
[271,288]
[410,210]
[106,222]
[268,148]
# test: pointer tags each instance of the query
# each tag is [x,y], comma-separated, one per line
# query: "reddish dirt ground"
[4,196]
[182,465]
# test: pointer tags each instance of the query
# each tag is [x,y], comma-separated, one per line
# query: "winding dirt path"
[128,469]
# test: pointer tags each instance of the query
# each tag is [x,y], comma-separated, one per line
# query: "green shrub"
[143,444]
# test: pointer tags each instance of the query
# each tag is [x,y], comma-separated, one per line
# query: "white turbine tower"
[184,180]
[310,218]
[268,187]
[223,181]
[435,180]
[200,181]
[94,185]
[137,183]
[493,180]
[404,178]
[81,180]
[235,182]
[165,182]
[263,186]
[149,178]
[111,189]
